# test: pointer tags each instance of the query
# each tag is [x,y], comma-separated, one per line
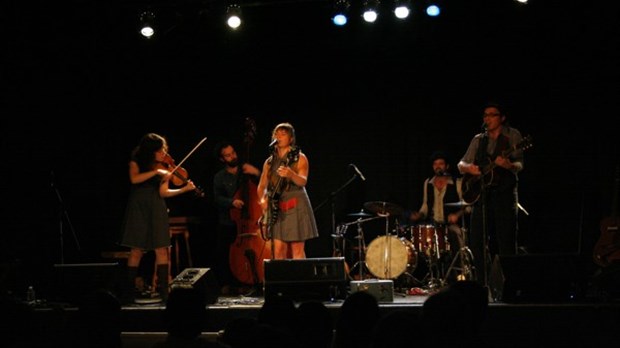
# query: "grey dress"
[295,220]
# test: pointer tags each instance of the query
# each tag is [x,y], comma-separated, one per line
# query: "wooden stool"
[178,229]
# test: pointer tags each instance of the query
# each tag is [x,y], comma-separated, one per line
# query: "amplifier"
[322,279]
[381,289]
[201,278]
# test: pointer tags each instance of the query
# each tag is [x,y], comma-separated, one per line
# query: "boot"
[129,286]
[162,281]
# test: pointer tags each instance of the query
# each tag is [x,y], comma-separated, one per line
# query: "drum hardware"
[360,266]
[361,246]
[465,269]
[339,242]
[383,208]
[464,255]
[361,213]
[434,271]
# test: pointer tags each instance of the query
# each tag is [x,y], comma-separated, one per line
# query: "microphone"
[273,142]
[483,127]
[357,171]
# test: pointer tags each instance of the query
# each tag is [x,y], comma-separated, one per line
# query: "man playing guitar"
[493,218]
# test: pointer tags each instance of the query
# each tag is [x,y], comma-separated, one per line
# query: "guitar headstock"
[250,131]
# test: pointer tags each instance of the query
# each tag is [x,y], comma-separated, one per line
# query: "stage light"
[433,9]
[233,16]
[341,12]
[402,8]
[371,8]
[147,24]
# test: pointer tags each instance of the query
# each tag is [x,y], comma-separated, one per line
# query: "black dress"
[145,225]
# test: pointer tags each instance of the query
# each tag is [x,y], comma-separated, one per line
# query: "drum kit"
[395,255]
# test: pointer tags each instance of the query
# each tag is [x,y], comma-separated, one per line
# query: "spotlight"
[233,16]
[402,8]
[147,24]
[433,9]
[340,14]
[371,7]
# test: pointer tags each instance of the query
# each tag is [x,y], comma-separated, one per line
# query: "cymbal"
[383,208]
[458,204]
[361,213]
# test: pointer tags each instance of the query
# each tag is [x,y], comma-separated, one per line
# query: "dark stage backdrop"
[81,87]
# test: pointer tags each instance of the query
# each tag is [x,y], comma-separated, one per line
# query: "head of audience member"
[315,326]
[185,313]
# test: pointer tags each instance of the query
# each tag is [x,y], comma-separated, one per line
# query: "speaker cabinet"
[199,278]
[321,279]
[72,281]
[536,278]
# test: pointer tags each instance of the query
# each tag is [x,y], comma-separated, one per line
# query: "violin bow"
[189,154]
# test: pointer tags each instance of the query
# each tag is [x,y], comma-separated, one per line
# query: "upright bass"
[249,249]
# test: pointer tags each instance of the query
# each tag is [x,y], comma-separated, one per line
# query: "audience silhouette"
[396,329]
[185,316]
[315,325]
[358,315]
[454,315]
[99,320]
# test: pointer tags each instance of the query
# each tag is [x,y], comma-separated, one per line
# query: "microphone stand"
[331,200]
[485,240]
[62,215]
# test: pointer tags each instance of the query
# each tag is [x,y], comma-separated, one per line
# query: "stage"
[544,300]
[507,324]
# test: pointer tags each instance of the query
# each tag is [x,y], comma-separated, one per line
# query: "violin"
[180,176]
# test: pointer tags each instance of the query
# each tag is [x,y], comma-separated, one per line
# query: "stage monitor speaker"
[322,279]
[202,279]
[541,278]
[72,281]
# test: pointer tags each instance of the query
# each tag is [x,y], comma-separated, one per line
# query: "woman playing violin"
[145,224]
[287,209]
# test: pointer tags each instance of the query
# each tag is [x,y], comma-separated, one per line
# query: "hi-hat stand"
[434,272]
[464,257]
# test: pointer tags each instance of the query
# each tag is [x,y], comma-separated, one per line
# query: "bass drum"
[387,257]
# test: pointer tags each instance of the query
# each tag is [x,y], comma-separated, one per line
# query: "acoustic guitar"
[607,248]
[473,184]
